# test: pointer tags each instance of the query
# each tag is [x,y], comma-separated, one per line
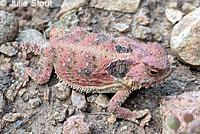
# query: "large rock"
[177,106]
[185,43]
[69,5]
[30,35]
[8,27]
[118,5]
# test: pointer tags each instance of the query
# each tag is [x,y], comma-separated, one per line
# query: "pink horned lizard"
[97,62]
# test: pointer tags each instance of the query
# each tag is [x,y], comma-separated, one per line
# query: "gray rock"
[124,128]
[34,102]
[157,36]
[173,4]
[92,98]
[5,66]
[102,101]
[2,103]
[5,69]
[60,114]
[71,111]
[69,5]
[173,15]
[142,32]
[10,95]
[22,92]
[8,27]
[187,7]
[185,36]
[63,92]
[78,100]
[121,27]
[143,17]
[25,97]
[178,105]
[30,35]
[8,50]
[11,117]
[171,59]
[118,5]
[66,21]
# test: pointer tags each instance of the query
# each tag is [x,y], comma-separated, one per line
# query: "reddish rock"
[76,125]
[176,106]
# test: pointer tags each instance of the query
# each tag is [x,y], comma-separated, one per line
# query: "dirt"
[43,123]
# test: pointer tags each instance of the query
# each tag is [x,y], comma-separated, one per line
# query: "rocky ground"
[43,109]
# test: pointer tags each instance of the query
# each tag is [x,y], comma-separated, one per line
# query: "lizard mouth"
[136,85]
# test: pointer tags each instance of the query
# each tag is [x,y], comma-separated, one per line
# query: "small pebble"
[142,17]
[11,117]
[71,111]
[2,103]
[173,4]
[112,119]
[171,59]
[60,115]
[21,92]
[121,27]
[10,95]
[76,125]
[25,97]
[8,50]
[142,32]
[173,15]
[34,102]
[102,101]
[78,100]
[62,91]
[124,128]
[157,37]
[92,98]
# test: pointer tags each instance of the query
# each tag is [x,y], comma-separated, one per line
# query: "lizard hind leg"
[42,74]
[124,113]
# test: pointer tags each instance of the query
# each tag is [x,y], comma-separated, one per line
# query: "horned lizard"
[97,62]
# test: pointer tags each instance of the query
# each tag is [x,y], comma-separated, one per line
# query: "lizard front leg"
[40,75]
[124,113]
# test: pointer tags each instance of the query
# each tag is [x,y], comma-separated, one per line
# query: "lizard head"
[144,64]
[149,64]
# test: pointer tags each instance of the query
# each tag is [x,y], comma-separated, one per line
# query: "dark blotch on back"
[86,72]
[122,49]
[118,68]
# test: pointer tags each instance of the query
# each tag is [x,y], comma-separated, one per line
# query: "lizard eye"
[153,72]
